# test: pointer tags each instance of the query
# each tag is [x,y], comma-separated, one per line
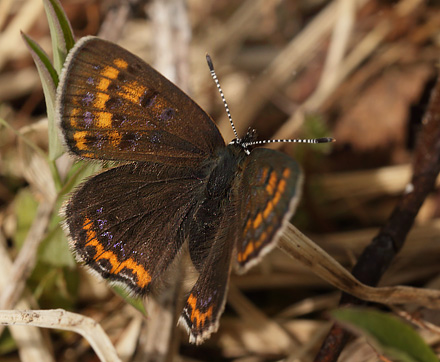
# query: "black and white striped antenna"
[257,143]
[214,76]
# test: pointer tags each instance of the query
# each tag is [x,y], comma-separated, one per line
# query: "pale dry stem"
[301,248]
[60,319]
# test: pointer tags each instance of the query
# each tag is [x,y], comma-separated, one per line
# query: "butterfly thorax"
[227,164]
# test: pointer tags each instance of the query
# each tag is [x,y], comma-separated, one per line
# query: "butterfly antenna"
[294,140]
[214,76]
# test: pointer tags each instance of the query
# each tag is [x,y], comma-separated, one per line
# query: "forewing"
[125,223]
[111,105]
[270,187]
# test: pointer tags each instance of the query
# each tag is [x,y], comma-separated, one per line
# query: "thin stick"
[377,257]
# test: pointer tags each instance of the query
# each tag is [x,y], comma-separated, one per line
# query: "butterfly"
[178,184]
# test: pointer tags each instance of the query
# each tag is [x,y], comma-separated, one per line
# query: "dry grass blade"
[370,183]
[60,319]
[26,259]
[127,343]
[14,85]
[10,37]
[268,332]
[357,70]
[345,67]
[338,46]
[234,32]
[295,55]
[301,248]
[32,347]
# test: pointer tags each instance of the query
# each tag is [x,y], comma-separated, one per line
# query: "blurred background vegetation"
[360,71]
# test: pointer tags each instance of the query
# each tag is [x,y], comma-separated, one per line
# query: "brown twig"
[377,257]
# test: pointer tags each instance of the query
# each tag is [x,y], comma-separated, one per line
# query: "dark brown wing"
[269,187]
[127,223]
[206,301]
[111,105]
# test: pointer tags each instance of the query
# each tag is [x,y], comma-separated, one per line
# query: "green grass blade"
[60,31]
[49,80]
[390,335]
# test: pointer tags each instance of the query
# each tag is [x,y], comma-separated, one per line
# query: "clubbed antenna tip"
[325,140]
[209,61]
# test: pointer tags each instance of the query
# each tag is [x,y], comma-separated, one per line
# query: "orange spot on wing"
[250,247]
[260,240]
[103,84]
[247,227]
[268,209]
[143,277]
[197,317]
[103,119]
[80,140]
[73,114]
[133,91]
[280,190]
[115,138]
[100,100]
[240,257]
[270,188]
[110,72]
[120,63]
[264,174]
[254,245]
[87,224]
[258,220]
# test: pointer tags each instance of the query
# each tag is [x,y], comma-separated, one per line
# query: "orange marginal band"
[143,277]
[197,317]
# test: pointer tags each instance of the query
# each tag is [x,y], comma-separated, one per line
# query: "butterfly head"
[250,137]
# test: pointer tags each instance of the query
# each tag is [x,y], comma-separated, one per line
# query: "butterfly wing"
[248,221]
[111,105]
[134,238]
[269,187]
[206,301]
